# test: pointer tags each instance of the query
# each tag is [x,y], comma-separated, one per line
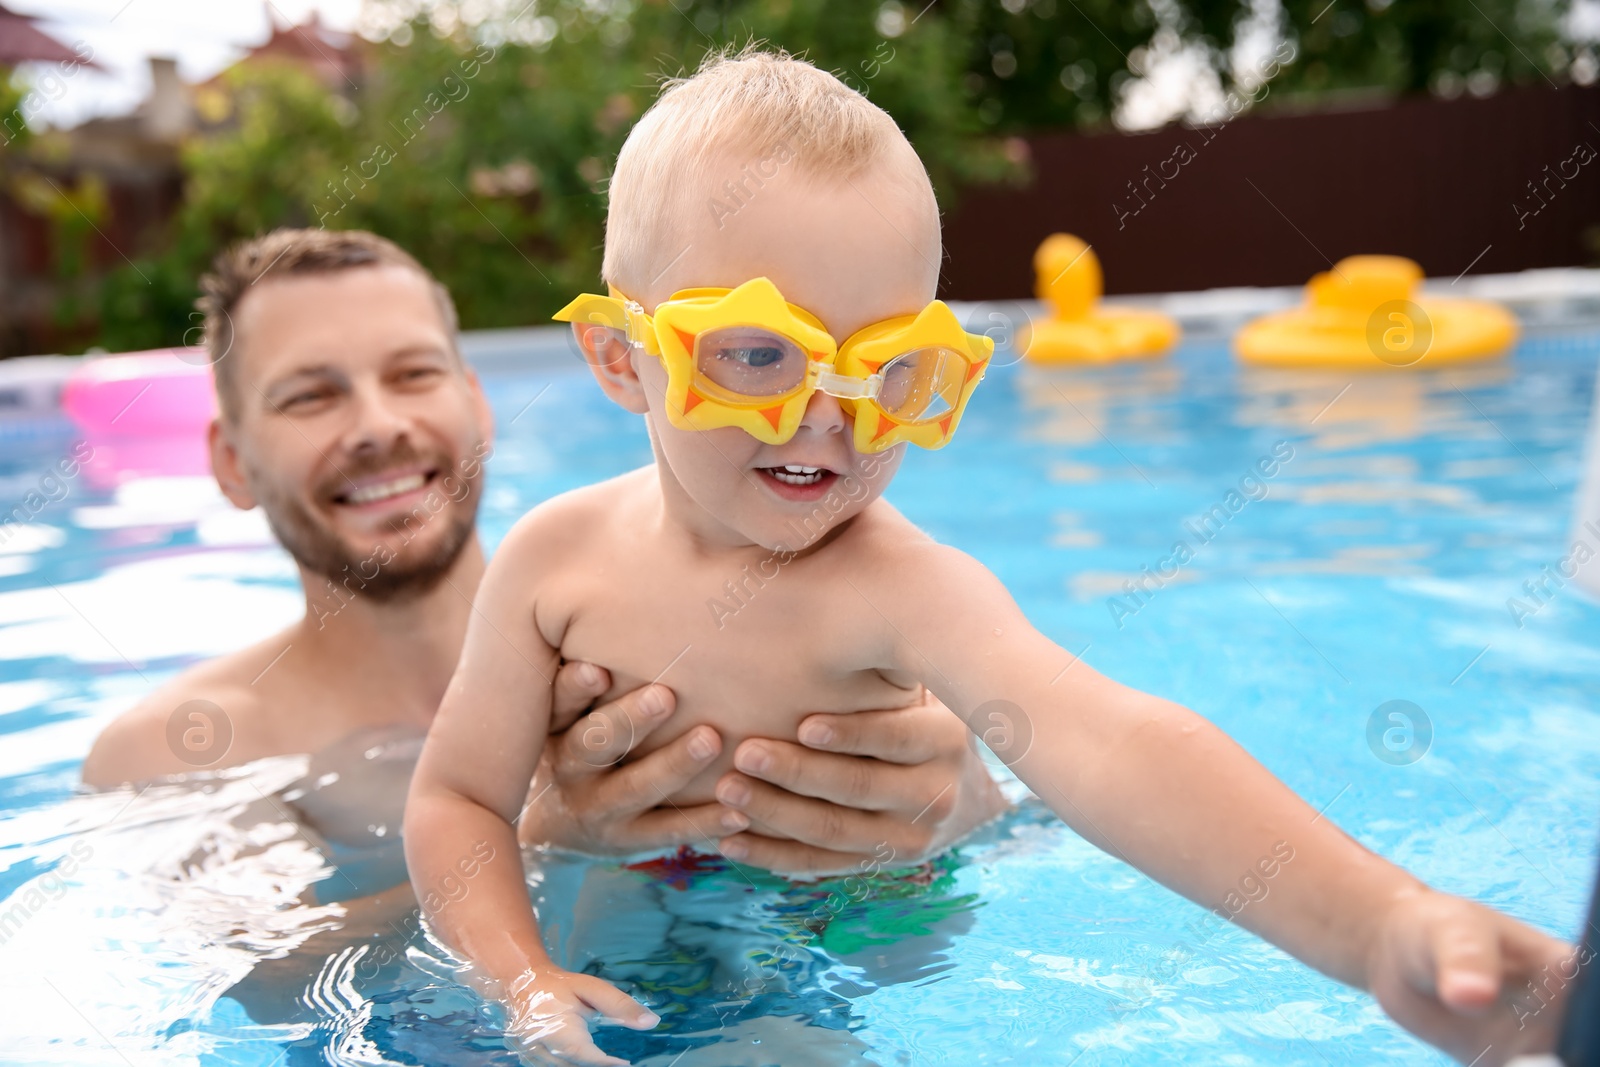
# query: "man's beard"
[320,551]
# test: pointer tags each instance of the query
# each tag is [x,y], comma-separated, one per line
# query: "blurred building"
[21,42]
[122,174]
[332,57]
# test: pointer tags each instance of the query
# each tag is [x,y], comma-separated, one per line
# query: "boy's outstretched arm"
[1157,785]
[470,784]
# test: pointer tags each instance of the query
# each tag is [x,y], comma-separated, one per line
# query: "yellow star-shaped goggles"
[745,357]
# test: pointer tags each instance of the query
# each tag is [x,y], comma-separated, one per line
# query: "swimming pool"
[1373,565]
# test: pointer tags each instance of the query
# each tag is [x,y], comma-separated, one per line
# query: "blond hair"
[681,163]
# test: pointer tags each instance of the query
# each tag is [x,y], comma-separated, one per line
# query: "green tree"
[263,173]
[488,161]
[1043,64]
[483,148]
[14,131]
[13,135]
[71,208]
[1418,45]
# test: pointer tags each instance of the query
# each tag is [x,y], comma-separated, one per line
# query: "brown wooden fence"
[1481,185]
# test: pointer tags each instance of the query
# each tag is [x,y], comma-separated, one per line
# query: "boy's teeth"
[795,474]
[384,490]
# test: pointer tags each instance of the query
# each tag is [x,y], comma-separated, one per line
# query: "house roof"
[332,55]
[21,43]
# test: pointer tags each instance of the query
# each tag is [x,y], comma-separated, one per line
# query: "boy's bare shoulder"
[175,728]
[893,554]
[880,533]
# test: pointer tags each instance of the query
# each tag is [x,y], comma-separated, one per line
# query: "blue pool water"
[169,926]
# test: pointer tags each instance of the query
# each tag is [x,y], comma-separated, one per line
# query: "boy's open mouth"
[795,481]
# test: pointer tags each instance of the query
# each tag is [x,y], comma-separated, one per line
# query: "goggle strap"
[830,381]
[640,330]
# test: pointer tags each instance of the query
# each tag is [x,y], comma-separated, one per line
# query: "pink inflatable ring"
[164,392]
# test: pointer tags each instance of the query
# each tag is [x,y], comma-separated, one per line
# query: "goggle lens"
[750,362]
[922,385]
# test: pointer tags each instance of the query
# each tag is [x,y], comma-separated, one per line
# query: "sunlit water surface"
[210,922]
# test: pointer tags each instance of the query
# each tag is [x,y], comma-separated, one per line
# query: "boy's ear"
[480,403]
[608,354]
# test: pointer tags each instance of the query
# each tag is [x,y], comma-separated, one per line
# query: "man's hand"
[1474,982]
[882,788]
[857,787]
[581,800]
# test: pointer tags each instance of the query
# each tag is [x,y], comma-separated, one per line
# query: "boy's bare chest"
[750,650]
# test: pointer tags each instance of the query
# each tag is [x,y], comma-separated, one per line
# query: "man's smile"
[385,487]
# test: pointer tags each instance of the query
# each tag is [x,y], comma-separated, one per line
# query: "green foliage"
[267,171]
[488,162]
[71,207]
[1421,44]
[1039,64]
[14,131]
[1047,64]
[73,210]
[913,70]
[261,174]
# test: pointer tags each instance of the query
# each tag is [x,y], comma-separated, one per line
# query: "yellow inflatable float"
[1067,276]
[1367,314]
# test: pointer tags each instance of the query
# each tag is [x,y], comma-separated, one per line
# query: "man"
[348,415]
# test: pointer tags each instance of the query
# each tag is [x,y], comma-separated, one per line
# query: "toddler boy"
[781,340]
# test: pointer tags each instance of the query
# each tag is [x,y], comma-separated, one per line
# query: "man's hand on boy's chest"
[747,654]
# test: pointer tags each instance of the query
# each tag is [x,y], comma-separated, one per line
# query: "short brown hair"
[293,252]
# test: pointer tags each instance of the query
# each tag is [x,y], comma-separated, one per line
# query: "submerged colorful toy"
[1366,314]
[1067,276]
[745,357]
